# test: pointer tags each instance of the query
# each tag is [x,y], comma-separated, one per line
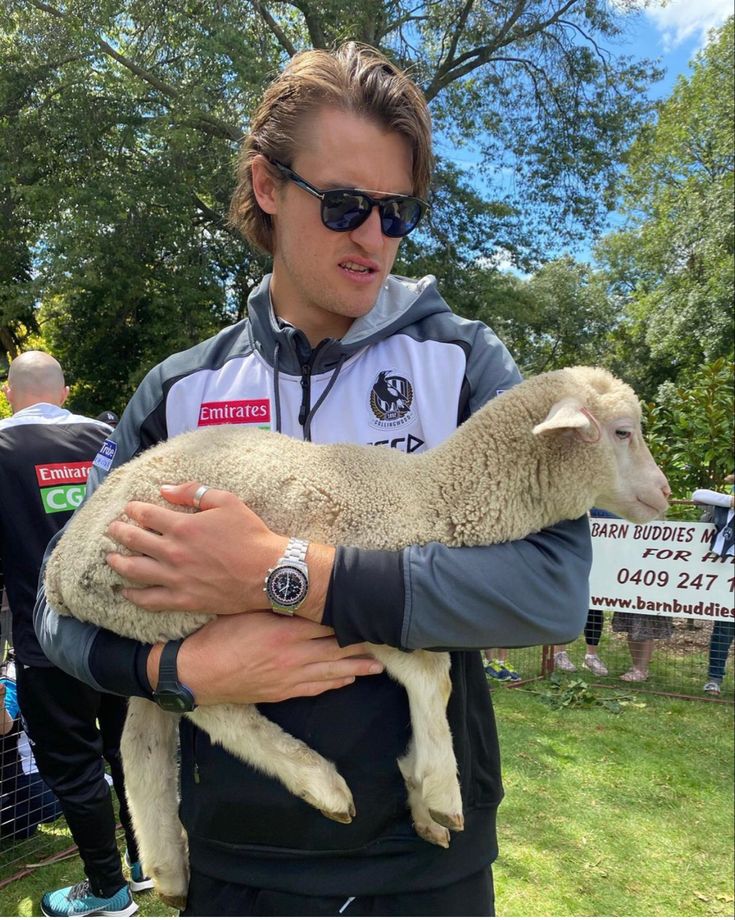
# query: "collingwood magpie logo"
[391,399]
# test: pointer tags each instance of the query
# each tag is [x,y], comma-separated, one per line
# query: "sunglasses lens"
[400,216]
[344,210]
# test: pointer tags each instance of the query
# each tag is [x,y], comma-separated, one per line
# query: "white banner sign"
[661,568]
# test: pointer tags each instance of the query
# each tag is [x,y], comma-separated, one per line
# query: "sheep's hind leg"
[430,762]
[247,734]
[425,826]
[148,748]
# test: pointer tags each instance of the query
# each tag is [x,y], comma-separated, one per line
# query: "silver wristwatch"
[287,583]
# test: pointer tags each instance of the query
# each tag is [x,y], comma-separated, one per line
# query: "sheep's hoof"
[330,795]
[342,817]
[453,822]
[173,900]
[433,833]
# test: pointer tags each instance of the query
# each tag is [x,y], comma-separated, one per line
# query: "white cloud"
[682,20]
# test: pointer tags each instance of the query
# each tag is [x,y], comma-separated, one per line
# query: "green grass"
[604,815]
[615,815]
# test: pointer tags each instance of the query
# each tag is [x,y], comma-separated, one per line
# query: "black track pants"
[209,897]
[73,730]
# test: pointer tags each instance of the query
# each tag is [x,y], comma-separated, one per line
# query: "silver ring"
[198,496]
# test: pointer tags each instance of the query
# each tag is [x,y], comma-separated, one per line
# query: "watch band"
[170,694]
[167,670]
[295,551]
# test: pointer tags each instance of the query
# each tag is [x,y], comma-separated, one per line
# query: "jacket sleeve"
[527,592]
[96,656]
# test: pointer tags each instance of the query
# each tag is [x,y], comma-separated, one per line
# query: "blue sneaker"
[512,675]
[501,670]
[80,901]
[497,670]
[138,881]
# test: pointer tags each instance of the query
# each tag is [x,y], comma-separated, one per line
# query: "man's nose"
[369,235]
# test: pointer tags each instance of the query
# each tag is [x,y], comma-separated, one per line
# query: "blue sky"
[670,32]
[673,32]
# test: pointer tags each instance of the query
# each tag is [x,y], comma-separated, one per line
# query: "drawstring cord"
[317,404]
[277,386]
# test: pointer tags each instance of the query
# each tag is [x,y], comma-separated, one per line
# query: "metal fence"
[679,665]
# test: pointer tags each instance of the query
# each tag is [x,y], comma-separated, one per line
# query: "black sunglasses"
[345,209]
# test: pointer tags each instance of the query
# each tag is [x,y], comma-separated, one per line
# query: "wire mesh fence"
[680,665]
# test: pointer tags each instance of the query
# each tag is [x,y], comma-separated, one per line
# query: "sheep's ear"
[570,414]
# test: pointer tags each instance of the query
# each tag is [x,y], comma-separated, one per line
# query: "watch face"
[175,700]
[287,586]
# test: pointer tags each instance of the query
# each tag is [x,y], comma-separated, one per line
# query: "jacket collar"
[401,301]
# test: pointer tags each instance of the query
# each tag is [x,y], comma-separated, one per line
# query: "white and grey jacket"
[404,375]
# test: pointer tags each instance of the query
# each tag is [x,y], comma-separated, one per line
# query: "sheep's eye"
[624,434]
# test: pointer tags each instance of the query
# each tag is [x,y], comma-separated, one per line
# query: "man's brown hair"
[355,78]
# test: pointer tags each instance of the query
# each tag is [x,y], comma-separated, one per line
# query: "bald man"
[45,455]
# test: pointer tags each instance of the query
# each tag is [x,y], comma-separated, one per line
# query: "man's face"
[322,279]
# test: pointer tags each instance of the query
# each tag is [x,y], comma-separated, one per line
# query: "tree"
[672,266]
[690,428]
[120,121]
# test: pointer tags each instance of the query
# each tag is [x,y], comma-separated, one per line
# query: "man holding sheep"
[334,172]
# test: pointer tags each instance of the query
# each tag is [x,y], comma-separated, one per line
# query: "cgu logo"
[63,485]
[62,498]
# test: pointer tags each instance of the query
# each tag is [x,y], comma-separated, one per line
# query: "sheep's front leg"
[429,766]
[148,748]
[247,734]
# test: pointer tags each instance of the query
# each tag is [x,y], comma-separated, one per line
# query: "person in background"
[25,800]
[723,633]
[498,667]
[643,630]
[46,453]
[719,512]
[333,174]
[592,631]
[592,635]
[108,417]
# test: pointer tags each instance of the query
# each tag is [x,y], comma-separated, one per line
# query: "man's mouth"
[357,268]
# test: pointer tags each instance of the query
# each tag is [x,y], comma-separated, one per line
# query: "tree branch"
[209,123]
[465,63]
[311,19]
[283,39]
[212,216]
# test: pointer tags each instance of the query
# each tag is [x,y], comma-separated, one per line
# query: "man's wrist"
[320,559]
[154,659]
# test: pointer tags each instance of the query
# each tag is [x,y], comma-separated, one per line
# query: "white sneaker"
[593,663]
[563,662]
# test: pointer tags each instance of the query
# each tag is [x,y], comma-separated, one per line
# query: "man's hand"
[211,562]
[264,658]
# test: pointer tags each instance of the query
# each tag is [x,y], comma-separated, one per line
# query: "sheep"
[545,451]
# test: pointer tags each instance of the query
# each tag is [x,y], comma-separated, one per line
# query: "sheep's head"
[605,412]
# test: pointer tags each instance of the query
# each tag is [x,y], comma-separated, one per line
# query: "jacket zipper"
[306,369]
[305,393]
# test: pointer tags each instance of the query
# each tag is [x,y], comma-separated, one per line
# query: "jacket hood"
[402,302]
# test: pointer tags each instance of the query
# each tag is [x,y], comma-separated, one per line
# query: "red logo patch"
[235,412]
[55,474]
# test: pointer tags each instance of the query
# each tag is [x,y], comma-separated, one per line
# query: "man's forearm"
[528,592]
